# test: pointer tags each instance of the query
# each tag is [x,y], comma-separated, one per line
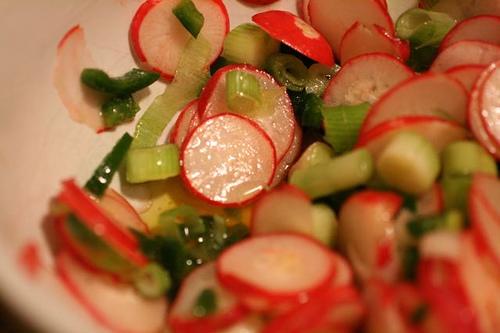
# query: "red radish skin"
[303,10]
[72,58]
[260,2]
[438,131]
[425,95]
[158,38]
[362,39]
[467,52]
[227,160]
[187,121]
[296,33]
[229,310]
[333,18]
[29,259]
[279,125]
[291,155]
[467,75]
[116,306]
[485,28]
[364,79]
[489,101]
[122,213]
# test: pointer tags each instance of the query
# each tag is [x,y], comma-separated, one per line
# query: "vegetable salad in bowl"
[329,169]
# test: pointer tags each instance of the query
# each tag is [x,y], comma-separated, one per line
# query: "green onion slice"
[152,281]
[243,92]
[130,82]
[288,70]
[206,304]
[118,110]
[189,16]
[154,163]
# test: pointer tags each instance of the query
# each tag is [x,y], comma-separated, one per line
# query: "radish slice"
[158,38]
[334,17]
[303,9]
[181,317]
[286,208]
[438,131]
[289,158]
[467,52]
[116,306]
[489,101]
[120,210]
[466,74]
[227,160]
[252,324]
[296,33]
[362,39]
[278,268]
[424,95]
[365,79]
[485,28]
[187,121]
[73,56]
[279,125]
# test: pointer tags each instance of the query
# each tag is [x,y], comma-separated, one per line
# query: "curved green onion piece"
[312,111]
[119,110]
[288,71]
[452,220]
[243,92]
[189,16]
[206,304]
[130,82]
[154,163]
[152,281]
[319,76]
[463,158]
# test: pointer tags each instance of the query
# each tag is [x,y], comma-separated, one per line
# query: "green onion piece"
[118,110]
[130,82]
[189,16]
[456,192]
[206,304]
[452,220]
[243,92]
[427,4]
[179,217]
[219,63]
[288,71]
[318,152]
[318,78]
[155,163]
[342,124]
[152,281]
[463,158]
[312,111]
[325,224]
[249,44]
[103,174]
[410,260]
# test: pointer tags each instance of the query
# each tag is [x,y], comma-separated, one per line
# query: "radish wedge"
[228,311]
[289,158]
[489,101]
[485,28]
[158,38]
[116,306]
[424,95]
[277,268]
[362,39]
[278,124]
[296,33]
[334,17]
[187,121]
[467,52]
[365,79]
[438,131]
[466,74]
[73,56]
[286,208]
[227,160]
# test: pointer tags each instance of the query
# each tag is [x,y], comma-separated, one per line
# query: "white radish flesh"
[467,52]
[484,28]
[489,101]
[466,74]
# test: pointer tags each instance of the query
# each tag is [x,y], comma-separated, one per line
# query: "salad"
[332,171]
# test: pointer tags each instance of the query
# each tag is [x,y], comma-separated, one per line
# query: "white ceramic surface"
[40,145]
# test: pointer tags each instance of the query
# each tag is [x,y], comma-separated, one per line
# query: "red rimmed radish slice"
[484,28]
[424,95]
[94,218]
[278,124]
[120,210]
[362,39]
[289,158]
[364,79]
[117,306]
[158,38]
[259,2]
[276,268]
[440,132]
[182,317]
[466,74]
[333,18]
[296,33]
[303,10]
[227,160]
[283,209]
[252,324]
[73,56]
[467,52]
[489,101]
[187,121]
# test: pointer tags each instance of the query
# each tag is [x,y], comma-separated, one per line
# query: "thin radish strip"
[291,155]
[120,210]
[188,119]
[484,28]
[489,101]
[467,52]
[303,9]
[466,74]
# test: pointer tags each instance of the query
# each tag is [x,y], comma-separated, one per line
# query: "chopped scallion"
[463,158]
[288,71]
[118,110]
[206,304]
[318,78]
[152,281]
[155,163]
[130,82]
[189,16]
[243,92]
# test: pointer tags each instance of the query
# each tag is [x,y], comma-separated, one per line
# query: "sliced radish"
[286,208]
[116,306]
[260,2]
[441,244]
[438,131]
[365,79]
[303,10]
[158,38]
[334,17]
[120,210]
[467,52]
[187,121]
[291,155]
[296,33]
[432,202]
[181,317]
[252,324]
[73,56]
[489,101]
[397,7]
[485,28]
[362,39]
[276,268]
[424,95]
[466,74]
[279,124]
[228,160]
